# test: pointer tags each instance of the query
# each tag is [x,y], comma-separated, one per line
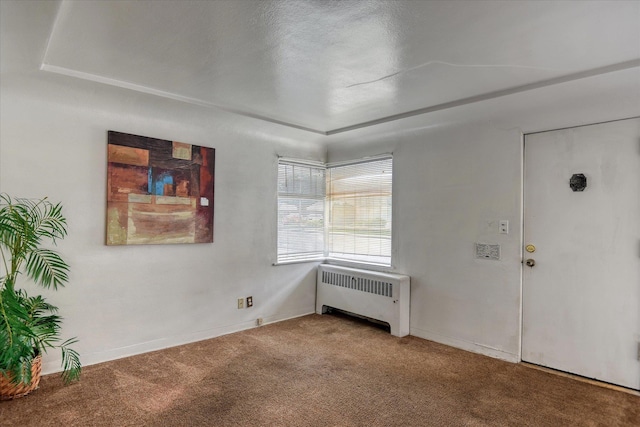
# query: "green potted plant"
[29,326]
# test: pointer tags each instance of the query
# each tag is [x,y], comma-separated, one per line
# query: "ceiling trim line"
[156,92]
[424,110]
[581,126]
[492,95]
[54,26]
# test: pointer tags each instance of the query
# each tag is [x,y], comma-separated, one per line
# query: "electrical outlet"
[504,226]
[249,302]
[240,303]
[259,321]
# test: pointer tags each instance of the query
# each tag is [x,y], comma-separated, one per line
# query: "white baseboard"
[466,345]
[52,362]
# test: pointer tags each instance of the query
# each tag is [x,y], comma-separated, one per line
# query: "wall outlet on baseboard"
[259,321]
[240,303]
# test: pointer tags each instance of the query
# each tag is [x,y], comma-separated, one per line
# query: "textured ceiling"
[332,66]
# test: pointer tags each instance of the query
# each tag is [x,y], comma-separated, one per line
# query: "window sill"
[298,261]
[341,262]
[360,264]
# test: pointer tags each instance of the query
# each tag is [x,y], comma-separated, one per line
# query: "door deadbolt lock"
[530,248]
[530,262]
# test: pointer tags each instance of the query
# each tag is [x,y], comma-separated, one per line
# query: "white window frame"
[296,257]
[355,261]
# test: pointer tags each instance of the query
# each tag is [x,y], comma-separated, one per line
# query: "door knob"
[530,262]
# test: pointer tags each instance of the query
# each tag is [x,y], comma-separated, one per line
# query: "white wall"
[130,299]
[456,174]
[451,188]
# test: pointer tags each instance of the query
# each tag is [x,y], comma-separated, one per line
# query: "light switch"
[504,226]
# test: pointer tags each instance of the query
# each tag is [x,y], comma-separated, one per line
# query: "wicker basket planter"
[8,390]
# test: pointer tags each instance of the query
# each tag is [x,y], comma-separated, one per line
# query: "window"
[342,212]
[301,194]
[359,209]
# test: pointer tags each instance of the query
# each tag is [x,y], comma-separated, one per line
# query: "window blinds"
[301,198]
[359,211]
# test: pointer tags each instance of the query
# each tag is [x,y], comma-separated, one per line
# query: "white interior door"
[581,299]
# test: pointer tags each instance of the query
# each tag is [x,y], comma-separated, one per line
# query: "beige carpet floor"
[318,371]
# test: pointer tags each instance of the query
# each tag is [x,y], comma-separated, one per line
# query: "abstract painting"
[158,191]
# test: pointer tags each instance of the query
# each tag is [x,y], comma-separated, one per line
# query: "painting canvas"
[158,191]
